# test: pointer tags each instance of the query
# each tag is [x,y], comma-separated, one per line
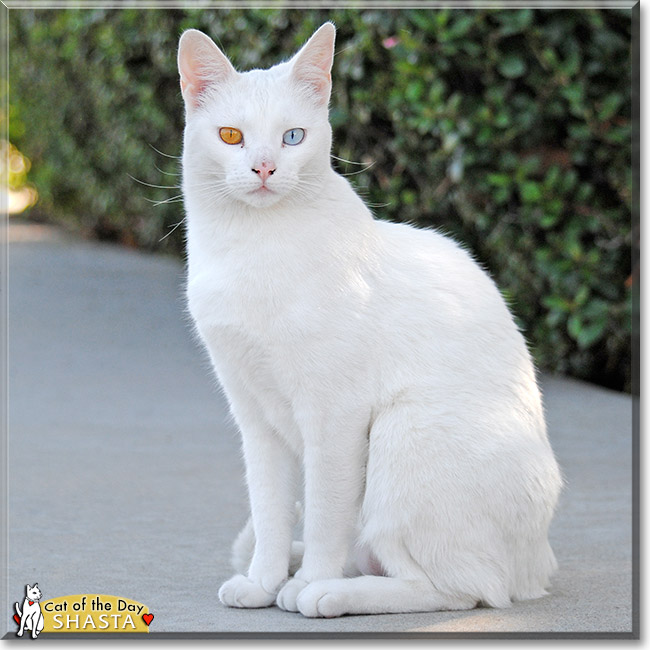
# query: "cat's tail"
[244,546]
[20,614]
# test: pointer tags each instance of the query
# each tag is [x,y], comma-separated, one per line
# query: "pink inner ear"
[322,86]
[313,63]
[201,64]
[315,81]
[193,87]
[193,91]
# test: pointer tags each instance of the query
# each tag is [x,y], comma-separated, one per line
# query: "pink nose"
[264,170]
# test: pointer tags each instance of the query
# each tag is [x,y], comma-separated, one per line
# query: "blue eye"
[293,136]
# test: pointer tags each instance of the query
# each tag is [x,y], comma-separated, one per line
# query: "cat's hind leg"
[376,595]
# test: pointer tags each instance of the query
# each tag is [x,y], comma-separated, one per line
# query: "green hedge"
[509,129]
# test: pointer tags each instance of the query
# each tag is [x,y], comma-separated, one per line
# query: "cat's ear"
[201,65]
[313,63]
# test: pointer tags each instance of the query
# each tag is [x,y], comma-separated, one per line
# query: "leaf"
[530,191]
[609,106]
[549,220]
[513,22]
[571,65]
[596,309]
[574,326]
[461,26]
[556,303]
[512,66]
[574,93]
[414,90]
[581,295]
[591,334]
[408,197]
[499,180]
[502,119]
[579,131]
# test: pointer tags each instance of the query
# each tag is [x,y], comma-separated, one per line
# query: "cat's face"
[33,593]
[260,137]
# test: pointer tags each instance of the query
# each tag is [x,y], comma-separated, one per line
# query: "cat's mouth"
[263,196]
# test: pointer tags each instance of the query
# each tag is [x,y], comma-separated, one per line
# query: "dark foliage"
[509,129]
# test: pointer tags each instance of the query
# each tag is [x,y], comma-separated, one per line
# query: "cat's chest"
[262,300]
[295,300]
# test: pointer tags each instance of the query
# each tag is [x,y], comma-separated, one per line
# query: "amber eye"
[230,135]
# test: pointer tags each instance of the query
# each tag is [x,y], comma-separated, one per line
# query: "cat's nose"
[264,170]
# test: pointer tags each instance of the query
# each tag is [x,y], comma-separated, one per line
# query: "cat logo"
[30,617]
[80,613]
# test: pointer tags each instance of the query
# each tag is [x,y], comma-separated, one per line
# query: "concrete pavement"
[125,476]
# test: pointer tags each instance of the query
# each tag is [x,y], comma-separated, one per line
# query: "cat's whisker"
[349,162]
[360,171]
[159,187]
[215,183]
[217,186]
[167,173]
[216,190]
[172,230]
[164,154]
[174,199]
[154,201]
[304,190]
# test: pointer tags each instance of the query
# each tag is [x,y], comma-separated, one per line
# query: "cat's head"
[33,593]
[259,137]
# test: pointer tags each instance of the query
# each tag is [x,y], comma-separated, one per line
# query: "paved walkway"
[125,476]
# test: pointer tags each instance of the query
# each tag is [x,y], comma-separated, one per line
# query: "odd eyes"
[231,135]
[293,136]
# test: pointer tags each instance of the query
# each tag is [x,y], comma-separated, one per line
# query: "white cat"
[377,358]
[31,617]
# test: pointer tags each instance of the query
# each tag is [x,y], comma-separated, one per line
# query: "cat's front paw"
[288,595]
[324,598]
[241,591]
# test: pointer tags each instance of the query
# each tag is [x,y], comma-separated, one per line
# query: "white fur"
[376,360]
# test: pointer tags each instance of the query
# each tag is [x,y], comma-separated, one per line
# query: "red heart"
[17,619]
[147,618]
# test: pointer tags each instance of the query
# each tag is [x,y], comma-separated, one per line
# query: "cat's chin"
[262,198]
